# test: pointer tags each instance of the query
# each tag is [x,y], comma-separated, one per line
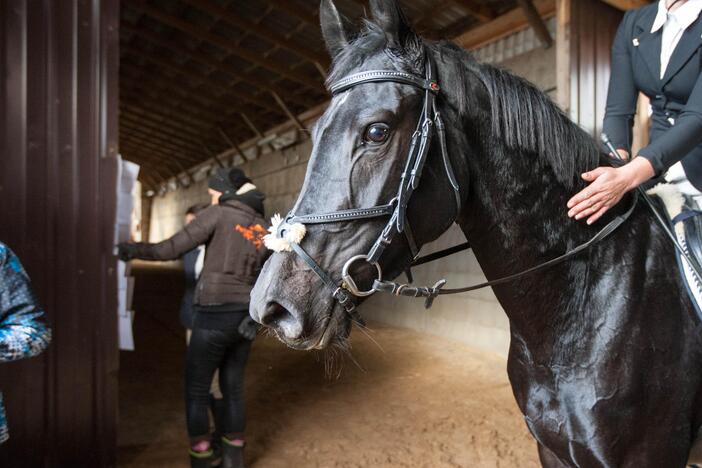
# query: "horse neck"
[515,219]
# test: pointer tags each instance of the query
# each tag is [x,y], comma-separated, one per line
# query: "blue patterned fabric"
[23,330]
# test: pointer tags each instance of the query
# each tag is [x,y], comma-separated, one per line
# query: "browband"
[380,76]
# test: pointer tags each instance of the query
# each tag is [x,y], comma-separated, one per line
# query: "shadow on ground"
[407,400]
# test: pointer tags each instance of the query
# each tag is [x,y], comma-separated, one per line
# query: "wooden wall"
[58,146]
[586,30]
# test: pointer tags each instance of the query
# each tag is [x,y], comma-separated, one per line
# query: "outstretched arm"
[197,232]
[23,330]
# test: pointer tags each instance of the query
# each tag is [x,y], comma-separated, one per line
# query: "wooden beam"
[223,43]
[263,32]
[232,143]
[158,118]
[536,22]
[627,4]
[242,98]
[150,159]
[563,55]
[509,23]
[480,11]
[296,11]
[174,109]
[212,154]
[160,129]
[166,152]
[287,110]
[174,96]
[165,141]
[251,125]
[422,22]
[253,83]
[188,174]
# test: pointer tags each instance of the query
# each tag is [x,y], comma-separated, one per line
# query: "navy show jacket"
[676,132]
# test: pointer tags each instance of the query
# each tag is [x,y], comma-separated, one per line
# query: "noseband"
[396,209]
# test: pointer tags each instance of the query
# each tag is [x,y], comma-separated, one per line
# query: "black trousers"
[224,349]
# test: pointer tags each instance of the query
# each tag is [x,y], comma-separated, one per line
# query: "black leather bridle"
[429,122]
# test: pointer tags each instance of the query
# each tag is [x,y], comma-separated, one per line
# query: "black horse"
[606,349]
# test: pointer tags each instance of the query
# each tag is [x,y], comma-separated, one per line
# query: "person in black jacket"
[232,230]
[193,261]
[657,52]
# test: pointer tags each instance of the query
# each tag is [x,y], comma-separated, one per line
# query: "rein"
[429,122]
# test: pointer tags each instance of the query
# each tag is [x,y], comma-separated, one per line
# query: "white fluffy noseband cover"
[291,234]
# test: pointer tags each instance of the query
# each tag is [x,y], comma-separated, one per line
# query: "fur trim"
[672,200]
[293,234]
[247,187]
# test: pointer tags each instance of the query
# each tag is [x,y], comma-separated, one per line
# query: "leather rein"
[429,122]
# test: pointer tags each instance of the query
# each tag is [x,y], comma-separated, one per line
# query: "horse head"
[359,155]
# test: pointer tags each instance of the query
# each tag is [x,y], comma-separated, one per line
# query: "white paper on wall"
[127,174]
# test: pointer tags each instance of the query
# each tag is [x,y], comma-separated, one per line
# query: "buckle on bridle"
[349,284]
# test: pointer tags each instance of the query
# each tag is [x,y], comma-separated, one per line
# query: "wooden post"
[563,54]
[231,143]
[536,22]
[211,153]
[288,112]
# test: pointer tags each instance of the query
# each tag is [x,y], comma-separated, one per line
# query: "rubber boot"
[201,459]
[217,409]
[232,455]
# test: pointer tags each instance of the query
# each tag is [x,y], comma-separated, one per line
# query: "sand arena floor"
[420,401]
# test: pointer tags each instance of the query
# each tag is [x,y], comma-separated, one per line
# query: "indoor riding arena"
[117,117]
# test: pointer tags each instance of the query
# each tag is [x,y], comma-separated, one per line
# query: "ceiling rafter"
[287,7]
[150,160]
[255,85]
[162,129]
[223,43]
[151,134]
[158,118]
[480,11]
[202,79]
[166,151]
[261,31]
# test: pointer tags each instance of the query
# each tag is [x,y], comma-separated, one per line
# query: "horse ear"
[389,16]
[335,27]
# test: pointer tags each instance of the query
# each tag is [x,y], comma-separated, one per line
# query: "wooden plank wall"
[592,27]
[58,147]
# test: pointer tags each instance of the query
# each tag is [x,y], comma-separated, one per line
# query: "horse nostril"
[275,314]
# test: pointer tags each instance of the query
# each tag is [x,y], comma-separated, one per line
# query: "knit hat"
[227,180]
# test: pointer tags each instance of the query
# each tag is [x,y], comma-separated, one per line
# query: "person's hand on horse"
[607,186]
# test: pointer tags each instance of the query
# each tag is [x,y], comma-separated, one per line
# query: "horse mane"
[524,119]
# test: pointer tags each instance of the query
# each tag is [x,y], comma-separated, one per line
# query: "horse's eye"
[376,133]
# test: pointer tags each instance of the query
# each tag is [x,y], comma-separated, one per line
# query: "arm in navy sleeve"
[622,94]
[680,139]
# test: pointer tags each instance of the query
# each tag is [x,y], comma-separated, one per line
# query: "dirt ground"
[410,400]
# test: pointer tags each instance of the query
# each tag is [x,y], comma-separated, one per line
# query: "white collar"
[685,15]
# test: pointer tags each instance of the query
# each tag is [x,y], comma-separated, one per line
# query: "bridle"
[396,209]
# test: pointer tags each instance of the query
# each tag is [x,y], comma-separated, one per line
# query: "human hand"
[126,251]
[248,328]
[607,186]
